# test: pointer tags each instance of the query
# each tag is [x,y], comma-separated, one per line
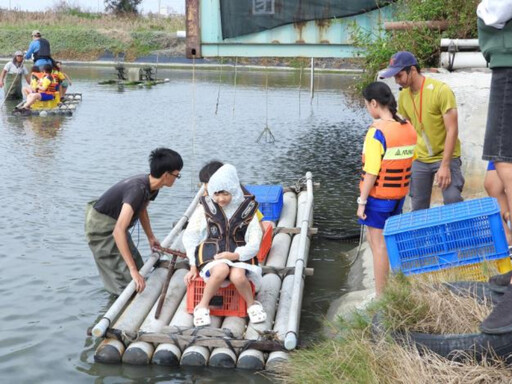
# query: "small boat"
[143,329]
[65,106]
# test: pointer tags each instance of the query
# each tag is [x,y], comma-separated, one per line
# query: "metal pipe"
[290,341]
[461,43]
[115,309]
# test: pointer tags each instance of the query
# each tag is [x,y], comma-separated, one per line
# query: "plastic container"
[266,241]
[226,302]
[444,237]
[471,272]
[269,198]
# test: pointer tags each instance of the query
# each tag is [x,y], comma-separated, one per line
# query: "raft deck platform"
[132,335]
[65,106]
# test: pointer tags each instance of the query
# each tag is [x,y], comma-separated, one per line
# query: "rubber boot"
[500,283]
[500,319]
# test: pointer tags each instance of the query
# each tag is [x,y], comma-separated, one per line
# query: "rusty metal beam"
[193,40]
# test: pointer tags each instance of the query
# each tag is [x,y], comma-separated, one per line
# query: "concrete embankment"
[471,89]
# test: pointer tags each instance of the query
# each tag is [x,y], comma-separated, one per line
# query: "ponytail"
[381,93]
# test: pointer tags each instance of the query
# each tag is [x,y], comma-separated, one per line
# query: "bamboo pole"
[169,354]
[116,308]
[132,317]
[225,357]
[140,353]
[269,294]
[290,341]
[406,25]
[198,356]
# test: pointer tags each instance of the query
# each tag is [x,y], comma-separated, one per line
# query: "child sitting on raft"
[41,91]
[222,240]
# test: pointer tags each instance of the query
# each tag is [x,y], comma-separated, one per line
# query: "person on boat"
[494,36]
[387,159]
[42,91]
[431,108]
[222,240]
[65,80]
[39,50]
[15,70]
[109,219]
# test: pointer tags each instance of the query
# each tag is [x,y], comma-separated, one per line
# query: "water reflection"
[50,289]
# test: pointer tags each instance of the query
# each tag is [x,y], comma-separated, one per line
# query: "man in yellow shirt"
[431,108]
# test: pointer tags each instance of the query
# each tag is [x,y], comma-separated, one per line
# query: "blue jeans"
[498,134]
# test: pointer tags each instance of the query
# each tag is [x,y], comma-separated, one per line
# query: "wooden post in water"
[312,80]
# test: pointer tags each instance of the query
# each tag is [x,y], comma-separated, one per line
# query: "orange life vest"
[395,169]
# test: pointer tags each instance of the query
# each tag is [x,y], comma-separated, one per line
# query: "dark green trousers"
[112,268]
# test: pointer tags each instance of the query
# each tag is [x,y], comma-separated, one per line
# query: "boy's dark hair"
[208,170]
[381,93]
[47,68]
[163,160]
[35,68]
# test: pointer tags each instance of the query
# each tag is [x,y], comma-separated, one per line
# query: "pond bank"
[471,90]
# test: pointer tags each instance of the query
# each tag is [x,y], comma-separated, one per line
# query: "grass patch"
[75,34]
[356,356]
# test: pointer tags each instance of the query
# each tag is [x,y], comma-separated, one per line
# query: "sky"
[92,5]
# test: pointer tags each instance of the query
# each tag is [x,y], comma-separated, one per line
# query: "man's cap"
[18,53]
[36,33]
[398,62]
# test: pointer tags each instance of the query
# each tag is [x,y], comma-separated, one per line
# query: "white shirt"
[495,13]
[13,70]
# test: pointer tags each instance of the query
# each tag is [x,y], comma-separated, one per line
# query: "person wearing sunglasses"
[109,219]
[14,70]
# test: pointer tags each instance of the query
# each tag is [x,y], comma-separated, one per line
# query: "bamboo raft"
[132,335]
[66,106]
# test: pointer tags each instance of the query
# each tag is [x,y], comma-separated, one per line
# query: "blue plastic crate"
[269,198]
[445,237]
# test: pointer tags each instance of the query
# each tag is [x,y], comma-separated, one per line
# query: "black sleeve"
[135,197]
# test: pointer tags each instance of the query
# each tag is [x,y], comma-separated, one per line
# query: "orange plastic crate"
[266,241]
[226,302]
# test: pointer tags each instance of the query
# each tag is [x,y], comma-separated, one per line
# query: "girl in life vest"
[387,159]
[42,91]
[222,240]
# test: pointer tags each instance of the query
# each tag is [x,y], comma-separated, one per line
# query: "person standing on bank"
[387,158]
[109,218]
[39,50]
[430,106]
[495,37]
[15,70]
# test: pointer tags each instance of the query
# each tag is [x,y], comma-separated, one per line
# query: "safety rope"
[218,91]
[267,133]
[234,91]
[361,236]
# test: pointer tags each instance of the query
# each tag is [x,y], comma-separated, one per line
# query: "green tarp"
[241,17]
